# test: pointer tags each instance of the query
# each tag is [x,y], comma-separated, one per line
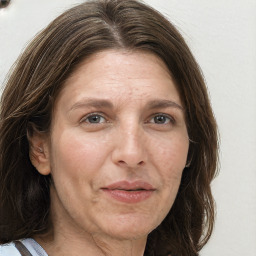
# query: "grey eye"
[95,119]
[160,119]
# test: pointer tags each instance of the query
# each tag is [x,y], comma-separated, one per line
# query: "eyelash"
[170,119]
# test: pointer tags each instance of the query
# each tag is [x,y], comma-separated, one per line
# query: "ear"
[190,155]
[39,151]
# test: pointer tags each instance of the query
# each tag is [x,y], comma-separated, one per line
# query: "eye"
[161,119]
[94,119]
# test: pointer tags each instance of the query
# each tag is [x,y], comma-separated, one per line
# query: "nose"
[130,148]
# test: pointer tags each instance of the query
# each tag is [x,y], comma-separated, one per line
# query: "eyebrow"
[91,102]
[101,103]
[153,104]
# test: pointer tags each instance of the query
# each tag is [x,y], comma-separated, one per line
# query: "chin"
[131,228]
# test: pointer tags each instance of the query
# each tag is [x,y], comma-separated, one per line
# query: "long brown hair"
[38,77]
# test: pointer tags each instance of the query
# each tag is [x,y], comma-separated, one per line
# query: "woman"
[108,142]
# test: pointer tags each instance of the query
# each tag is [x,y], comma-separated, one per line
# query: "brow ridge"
[103,103]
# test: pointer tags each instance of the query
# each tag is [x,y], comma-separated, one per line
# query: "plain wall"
[222,36]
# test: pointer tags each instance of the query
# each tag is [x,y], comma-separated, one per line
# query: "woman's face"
[118,146]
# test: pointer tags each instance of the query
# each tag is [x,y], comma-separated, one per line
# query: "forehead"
[121,75]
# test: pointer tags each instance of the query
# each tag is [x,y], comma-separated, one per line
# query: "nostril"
[121,162]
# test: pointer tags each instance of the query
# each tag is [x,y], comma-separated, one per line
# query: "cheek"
[170,155]
[74,152]
[169,161]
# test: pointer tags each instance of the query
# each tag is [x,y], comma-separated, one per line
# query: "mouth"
[129,192]
[138,189]
[130,186]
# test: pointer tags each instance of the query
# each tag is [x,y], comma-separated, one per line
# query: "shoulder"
[9,250]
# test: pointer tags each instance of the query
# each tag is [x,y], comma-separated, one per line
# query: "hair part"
[37,79]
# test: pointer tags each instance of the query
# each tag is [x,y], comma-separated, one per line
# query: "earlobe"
[39,152]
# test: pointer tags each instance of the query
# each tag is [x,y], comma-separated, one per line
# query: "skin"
[119,117]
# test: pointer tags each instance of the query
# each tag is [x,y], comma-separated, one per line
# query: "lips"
[129,192]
